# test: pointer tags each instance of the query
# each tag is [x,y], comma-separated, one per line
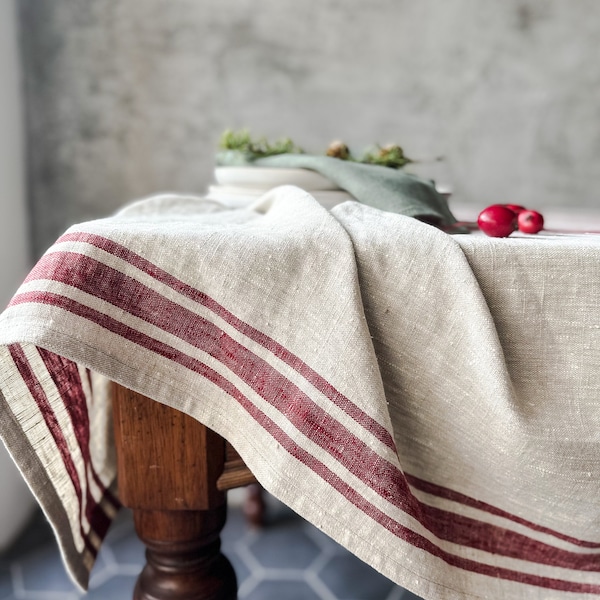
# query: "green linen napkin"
[392,190]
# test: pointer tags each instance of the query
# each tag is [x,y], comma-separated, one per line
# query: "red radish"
[497,221]
[530,221]
[516,208]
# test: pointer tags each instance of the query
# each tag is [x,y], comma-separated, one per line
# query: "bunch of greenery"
[387,156]
[242,141]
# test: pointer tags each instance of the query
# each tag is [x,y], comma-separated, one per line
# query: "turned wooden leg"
[168,467]
[183,556]
[254,505]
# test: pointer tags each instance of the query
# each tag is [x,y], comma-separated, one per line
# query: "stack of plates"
[240,186]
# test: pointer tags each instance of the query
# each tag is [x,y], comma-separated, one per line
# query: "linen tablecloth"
[429,401]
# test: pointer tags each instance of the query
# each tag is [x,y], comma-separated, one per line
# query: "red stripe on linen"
[449,494]
[126,293]
[295,362]
[130,295]
[316,380]
[67,379]
[380,475]
[40,398]
[403,532]
[303,456]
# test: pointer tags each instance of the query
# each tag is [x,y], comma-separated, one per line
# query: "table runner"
[429,401]
[388,189]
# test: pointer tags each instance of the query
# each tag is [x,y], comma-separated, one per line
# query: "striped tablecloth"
[432,402]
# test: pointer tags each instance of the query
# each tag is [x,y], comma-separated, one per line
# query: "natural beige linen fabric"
[429,401]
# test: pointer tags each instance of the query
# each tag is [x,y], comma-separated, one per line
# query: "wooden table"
[173,474]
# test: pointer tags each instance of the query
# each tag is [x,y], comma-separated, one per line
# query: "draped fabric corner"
[371,370]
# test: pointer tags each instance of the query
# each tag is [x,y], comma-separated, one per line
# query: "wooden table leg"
[254,505]
[168,467]
[183,556]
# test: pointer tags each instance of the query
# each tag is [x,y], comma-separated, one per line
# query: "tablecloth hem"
[41,487]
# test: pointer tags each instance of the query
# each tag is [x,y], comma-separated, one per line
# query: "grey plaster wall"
[128,97]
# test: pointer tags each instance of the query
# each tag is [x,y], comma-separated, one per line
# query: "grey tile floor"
[288,559]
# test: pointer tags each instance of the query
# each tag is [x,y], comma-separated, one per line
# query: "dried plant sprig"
[339,150]
[391,156]
[235,140]
[242,141]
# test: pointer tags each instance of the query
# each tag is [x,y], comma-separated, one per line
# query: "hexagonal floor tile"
[349,578]
[284,547]
[127,550]
[6,587]
[279,590]
[43,571]
[406,595]
[114,587]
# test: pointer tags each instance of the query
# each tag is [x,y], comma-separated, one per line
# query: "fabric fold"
[352,359]
[384,188]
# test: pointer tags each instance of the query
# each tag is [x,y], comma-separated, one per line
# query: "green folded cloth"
[392,190]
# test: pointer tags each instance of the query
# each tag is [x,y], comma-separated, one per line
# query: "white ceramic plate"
[237,197]
[266,178]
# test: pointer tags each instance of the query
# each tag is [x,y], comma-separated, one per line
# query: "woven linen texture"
[428,401]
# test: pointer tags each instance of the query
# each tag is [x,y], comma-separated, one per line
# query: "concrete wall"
[128,97]
[14,245]
[16,501]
